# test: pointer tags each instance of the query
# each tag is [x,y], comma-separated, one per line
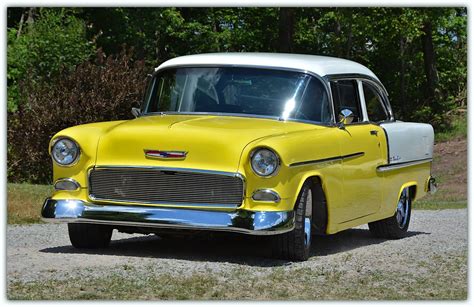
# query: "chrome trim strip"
[78,186]
[240,221]
[171,169]
[327,160]
[391,167]
[269,191]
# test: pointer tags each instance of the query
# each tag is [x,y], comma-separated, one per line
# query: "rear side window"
[345,96]
[375,108]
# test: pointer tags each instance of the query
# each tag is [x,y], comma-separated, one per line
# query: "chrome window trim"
[171,169]
[69,180]
[310,73]
[79,153]
[388,111]
[391,167]
[269,191]
[330,79]
[365,78]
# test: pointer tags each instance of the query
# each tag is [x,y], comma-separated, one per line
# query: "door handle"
[374,132]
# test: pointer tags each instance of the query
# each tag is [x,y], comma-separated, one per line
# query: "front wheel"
[295,245]
[89,235]
[396,226]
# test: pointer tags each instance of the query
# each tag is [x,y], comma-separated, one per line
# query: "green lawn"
[25,201]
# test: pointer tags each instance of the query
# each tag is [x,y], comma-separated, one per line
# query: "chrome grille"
[166,186]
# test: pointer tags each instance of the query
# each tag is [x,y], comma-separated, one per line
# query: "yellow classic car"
[280,145]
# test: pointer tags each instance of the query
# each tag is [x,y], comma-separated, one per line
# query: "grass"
[458,129]
[445,278]
[439,205]
[25,201]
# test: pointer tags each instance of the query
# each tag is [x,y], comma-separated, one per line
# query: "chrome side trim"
[330,159]
[240,221]
[391,167]
[78,186]
[171,169]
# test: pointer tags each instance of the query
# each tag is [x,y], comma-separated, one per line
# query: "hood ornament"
[165,154]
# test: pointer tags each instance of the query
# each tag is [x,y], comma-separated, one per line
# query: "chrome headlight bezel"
[74,161]
[277,162]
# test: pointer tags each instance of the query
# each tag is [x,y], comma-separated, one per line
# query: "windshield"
[238,90]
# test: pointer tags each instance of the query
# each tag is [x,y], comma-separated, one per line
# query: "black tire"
[295,245]
[89,235]
[396,226]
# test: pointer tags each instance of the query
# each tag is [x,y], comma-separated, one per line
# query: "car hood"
[211,142]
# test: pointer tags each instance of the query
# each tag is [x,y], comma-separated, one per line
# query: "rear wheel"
[396,226]
[89,235]
[295,245]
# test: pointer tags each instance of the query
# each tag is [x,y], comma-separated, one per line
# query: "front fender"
[87,137]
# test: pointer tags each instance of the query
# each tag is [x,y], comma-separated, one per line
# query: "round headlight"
[264,162]
[65,151]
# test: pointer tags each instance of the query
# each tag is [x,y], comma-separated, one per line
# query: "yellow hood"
[211,142]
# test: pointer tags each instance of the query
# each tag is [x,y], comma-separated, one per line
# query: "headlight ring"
[265,162]
[65,151]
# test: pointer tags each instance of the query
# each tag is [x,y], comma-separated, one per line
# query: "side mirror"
[136,112]
[346,117]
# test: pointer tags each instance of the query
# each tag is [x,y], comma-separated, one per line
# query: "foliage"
[390,41]
[96,91]
[55,42]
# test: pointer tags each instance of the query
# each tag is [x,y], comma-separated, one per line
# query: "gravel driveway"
[41,252]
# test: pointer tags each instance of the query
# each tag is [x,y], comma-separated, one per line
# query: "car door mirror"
[346,117]
[136,112]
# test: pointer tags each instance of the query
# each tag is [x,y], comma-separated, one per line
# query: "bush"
[96,91]
[55,42]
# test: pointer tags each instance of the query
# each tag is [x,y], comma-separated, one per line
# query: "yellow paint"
[355,192]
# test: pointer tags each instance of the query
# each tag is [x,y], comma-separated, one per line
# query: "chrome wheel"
[403,208]
[307,217]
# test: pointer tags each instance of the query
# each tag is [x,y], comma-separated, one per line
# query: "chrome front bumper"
[242,221]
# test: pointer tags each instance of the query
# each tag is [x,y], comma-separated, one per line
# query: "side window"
[314,105]
[375,108]
[346,96]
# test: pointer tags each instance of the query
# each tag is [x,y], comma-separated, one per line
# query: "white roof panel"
[320,65]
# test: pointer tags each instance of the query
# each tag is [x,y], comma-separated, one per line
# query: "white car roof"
[320,65]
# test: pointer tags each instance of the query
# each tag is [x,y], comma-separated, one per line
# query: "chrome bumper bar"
[241,221]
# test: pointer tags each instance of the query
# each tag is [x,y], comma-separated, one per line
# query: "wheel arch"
[412,185]
[320,208]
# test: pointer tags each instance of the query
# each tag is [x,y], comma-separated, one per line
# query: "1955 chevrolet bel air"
[281,145]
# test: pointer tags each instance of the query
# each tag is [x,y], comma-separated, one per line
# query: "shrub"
[55,42]
[96,91]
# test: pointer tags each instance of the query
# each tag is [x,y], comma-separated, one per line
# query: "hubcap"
[307,217]
[402,209]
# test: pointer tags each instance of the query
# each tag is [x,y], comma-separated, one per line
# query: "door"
[360,147]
